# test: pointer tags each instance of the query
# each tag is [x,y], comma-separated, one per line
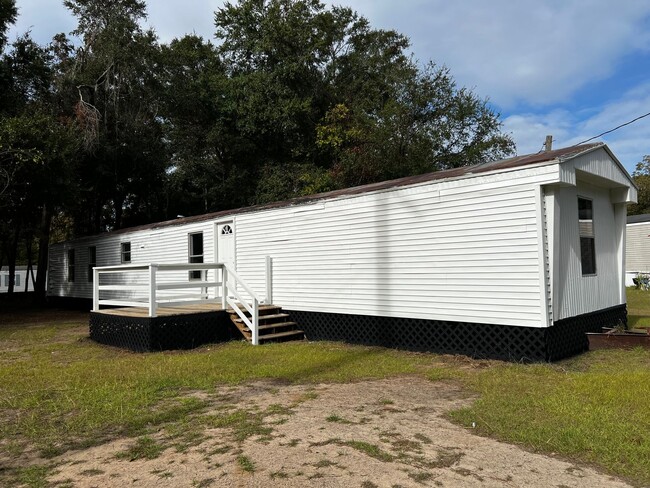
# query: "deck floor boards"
[162,311]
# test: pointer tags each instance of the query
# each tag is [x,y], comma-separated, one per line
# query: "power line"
[612,130]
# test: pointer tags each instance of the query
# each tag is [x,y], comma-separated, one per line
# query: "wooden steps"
[274,325]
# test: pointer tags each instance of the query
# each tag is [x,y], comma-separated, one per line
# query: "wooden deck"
[162,311]
[183,325]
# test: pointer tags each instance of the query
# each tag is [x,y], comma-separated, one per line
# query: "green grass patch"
[246,464]
[143,448]
[368,449]
[638,308]
[337,419]
[243,424]
[589,408]
[34,476]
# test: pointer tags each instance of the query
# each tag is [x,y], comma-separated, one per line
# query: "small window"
[92,262]
[195,253]
[71,265]
[126,252]
[226,230]
[17,280]
[6,281]
[587,236]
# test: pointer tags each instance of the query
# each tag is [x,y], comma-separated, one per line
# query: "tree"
[317,89]
[8,14]
[40,149]
[204,148]
[115,83]
[641,176]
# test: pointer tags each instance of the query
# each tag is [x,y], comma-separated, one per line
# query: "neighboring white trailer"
[637,247]
[21,278]
[514,258]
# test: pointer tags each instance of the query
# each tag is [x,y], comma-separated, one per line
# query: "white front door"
[226,243]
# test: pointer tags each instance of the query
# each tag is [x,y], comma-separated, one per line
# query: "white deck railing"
[144,292]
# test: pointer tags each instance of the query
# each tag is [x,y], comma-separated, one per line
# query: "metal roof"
[558,155]
[637,219]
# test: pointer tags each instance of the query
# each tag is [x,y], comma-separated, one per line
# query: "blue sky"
[570,68]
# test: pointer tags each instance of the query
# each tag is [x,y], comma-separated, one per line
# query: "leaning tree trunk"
[43,247]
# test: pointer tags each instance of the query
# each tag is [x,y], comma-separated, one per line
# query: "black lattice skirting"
[161,333]
[566,338]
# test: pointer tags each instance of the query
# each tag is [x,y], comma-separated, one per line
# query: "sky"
[572,69]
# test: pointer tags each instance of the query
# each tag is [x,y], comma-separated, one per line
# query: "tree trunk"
[11,258]
[3,248]
[43,247]
[28,245]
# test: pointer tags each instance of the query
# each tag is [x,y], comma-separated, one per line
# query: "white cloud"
[629,143]
[532,51]
[169,18]
[535,52]
[172,19]
[44,18]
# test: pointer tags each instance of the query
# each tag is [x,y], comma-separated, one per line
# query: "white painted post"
[255,320]
[224,287]
[95,290]
[269,280]
[153,268]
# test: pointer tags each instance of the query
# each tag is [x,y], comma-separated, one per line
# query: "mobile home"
[637,247]
[22,279]
[514,259]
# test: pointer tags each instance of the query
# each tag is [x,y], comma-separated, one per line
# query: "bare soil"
[387,433]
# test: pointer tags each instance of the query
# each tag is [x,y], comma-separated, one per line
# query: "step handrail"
[231,289]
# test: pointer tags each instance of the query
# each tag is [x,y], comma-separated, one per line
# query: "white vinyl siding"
[165,245]
[446,251]
[597,163]
[22,277]
[637,247]
[575,293]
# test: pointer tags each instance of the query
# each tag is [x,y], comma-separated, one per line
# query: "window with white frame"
[71,260]
[587,236]
[195,253]
[6,281]
[125,252]
[92,261]
[17,280]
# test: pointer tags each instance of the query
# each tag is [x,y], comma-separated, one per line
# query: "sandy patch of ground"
[387,433]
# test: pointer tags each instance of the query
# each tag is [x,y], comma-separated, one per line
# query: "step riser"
[274,325]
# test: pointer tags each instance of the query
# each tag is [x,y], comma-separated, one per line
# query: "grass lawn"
[59,390]
[638,308]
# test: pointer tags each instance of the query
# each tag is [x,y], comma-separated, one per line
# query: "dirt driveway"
[388,433]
